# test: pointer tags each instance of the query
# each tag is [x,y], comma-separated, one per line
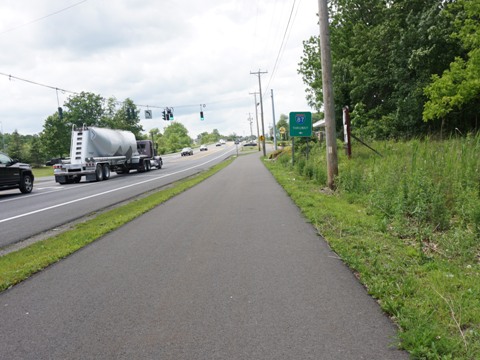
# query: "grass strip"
[433,301]
[19,265]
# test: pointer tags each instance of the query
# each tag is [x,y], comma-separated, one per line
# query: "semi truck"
[95,152]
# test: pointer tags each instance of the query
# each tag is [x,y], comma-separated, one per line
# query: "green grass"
[17,266]
[405,224]
[42,171]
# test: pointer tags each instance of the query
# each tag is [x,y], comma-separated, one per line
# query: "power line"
[42,18]
[282,45]
[12,77]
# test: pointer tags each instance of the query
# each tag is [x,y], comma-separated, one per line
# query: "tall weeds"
[408,223]
[423,188]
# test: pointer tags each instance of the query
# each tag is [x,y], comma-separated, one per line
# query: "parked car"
[187,151]
[250,143]
[54,161]
[218,144]
[15,175]
[203,148]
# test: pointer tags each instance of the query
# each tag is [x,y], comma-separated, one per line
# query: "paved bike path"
[226,270]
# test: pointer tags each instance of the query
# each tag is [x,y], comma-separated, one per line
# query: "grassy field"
[42,171]
[407,223]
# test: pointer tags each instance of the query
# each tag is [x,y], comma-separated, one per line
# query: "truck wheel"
[99,173]
[147,166]
[76,179]
[106,172]
[26,184]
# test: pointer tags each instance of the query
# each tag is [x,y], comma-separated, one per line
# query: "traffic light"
[201,116]
[60,113]
[164,115]
[170,114]
[131,113]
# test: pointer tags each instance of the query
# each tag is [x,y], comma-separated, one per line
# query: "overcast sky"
[158,53]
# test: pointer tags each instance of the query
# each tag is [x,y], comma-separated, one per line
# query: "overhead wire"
[283,44]
[42,18]
[12,77]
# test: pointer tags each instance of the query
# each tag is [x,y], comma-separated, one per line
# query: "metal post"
[346,131]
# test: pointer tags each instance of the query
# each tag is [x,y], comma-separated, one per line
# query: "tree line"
[91,109]
[405,68]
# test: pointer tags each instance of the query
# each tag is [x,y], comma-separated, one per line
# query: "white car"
[203,148]
[187,151]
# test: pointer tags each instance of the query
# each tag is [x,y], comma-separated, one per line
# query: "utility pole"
[261,106]
[328,104]
[250,120]
[256,118]
[274,125]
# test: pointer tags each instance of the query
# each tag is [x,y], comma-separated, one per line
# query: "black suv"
[14,174]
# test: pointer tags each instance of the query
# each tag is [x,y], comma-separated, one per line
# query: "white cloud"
[158,53]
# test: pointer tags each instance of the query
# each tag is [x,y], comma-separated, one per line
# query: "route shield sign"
[301,123]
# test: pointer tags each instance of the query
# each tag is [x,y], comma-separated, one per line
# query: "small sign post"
[300,125]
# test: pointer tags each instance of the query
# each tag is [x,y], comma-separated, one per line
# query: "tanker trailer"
[95,152]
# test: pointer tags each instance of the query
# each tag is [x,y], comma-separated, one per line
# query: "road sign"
[148,114]
[282,130]
[262,137]
[300,123]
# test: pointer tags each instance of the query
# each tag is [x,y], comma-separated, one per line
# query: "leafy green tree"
[176,137]
[458,88]
[56,136]
[35,151]
[283,122]
[383,55]
[84,109]
[15,147]
[125,118]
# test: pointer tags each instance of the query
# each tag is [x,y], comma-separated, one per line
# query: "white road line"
[109,191]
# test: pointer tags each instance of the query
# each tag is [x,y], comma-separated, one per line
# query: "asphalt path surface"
[228,269]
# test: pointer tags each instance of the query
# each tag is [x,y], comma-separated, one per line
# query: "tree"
[383,55]
[15,147]
[176,137]
[125,118]
[35,151]
[84,109]
[458,88]
[283,122]
[55,136]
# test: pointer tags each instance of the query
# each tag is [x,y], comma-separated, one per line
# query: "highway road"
[228,269]
[51,205]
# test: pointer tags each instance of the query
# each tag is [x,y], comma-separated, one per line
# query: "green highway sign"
[301,123]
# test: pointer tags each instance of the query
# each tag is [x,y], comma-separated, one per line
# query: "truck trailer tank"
[101,142]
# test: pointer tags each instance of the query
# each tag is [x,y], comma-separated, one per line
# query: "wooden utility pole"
[328,104]
[256,118]
[274,124]
[259,73]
